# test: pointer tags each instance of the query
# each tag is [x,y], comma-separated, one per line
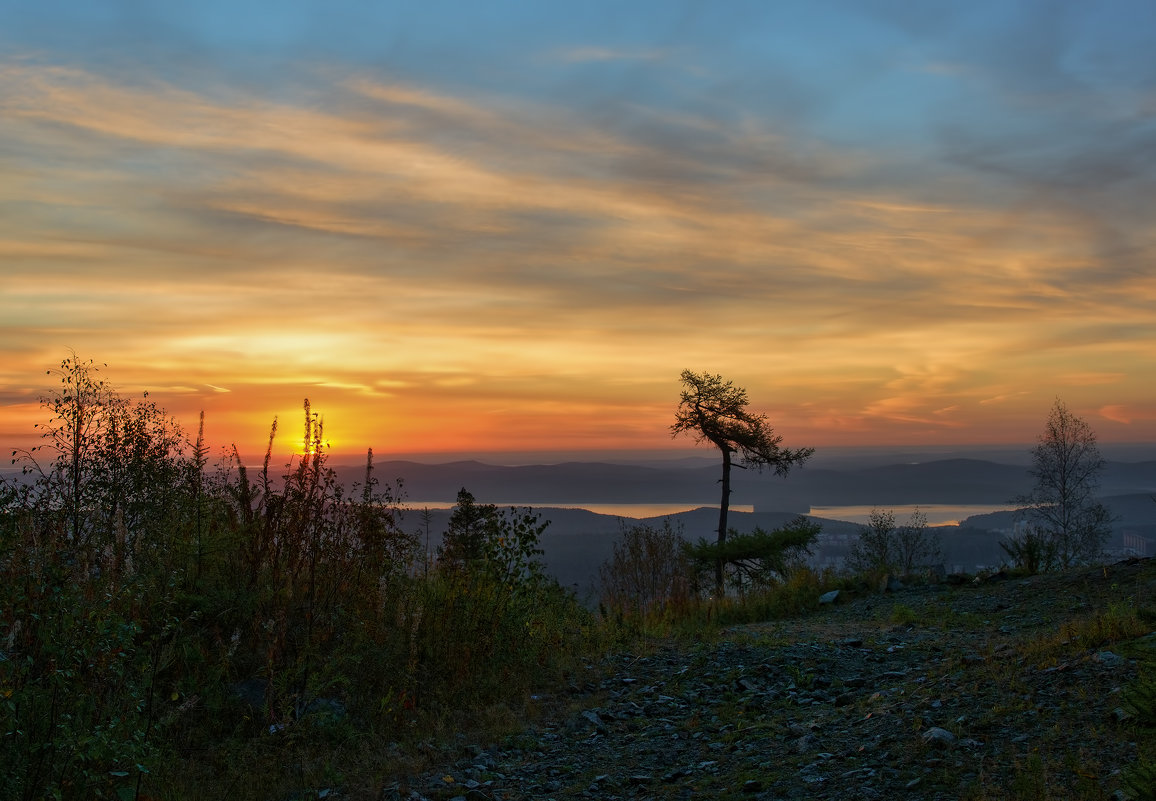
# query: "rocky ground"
[1004,688]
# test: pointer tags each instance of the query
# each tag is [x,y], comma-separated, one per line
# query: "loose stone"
[941,738]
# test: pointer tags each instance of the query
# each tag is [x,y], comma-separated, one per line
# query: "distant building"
[1135,545]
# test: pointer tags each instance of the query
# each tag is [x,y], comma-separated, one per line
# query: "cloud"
[392,239]
[1117,414]
[1140,412]
[910,410]
[1003,398]
[715,198]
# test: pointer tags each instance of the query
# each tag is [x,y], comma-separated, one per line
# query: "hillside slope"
[1004,689]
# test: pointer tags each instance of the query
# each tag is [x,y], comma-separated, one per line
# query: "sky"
[462,227]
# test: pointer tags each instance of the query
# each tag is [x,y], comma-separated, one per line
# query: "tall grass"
[696,616]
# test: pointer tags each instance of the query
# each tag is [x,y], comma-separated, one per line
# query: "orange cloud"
[442,269]
[1117,414]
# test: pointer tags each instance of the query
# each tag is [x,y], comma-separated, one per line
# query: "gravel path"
[996,690]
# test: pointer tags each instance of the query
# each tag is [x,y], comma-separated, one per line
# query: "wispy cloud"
[381,239]
[1117,414]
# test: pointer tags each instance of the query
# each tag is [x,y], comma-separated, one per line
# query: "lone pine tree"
[714,410]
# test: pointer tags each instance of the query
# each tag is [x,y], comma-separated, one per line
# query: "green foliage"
[758,559]
[1140,700]
[650,584]
[1140,781]
[1140,697]
[798,594]
[512,556]
[903,615]
[874,552]
[75,692]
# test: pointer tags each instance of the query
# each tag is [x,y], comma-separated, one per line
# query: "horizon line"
[559,456]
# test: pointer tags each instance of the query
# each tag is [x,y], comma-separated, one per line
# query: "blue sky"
[892,222]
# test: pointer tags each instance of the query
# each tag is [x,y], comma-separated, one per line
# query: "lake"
[633,510]
[937,514]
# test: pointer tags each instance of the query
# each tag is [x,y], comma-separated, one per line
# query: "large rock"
[940,738]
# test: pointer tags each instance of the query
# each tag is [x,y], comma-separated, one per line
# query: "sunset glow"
[491,228]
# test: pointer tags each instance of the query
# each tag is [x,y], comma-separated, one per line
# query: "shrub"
[759,559]
[883,547]
[1032,551]
[648,570]
[473,641]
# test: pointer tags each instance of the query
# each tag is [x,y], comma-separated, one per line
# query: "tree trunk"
[724,507]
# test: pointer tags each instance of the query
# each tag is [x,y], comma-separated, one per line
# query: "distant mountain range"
[946,481]
[578,540]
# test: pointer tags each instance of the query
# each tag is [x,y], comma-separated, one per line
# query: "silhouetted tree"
[1062,508]
[887,547]
[502,543]
[715,411]
[119,471]
[471,523]
[874,551]
[916,547]
[79,410]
